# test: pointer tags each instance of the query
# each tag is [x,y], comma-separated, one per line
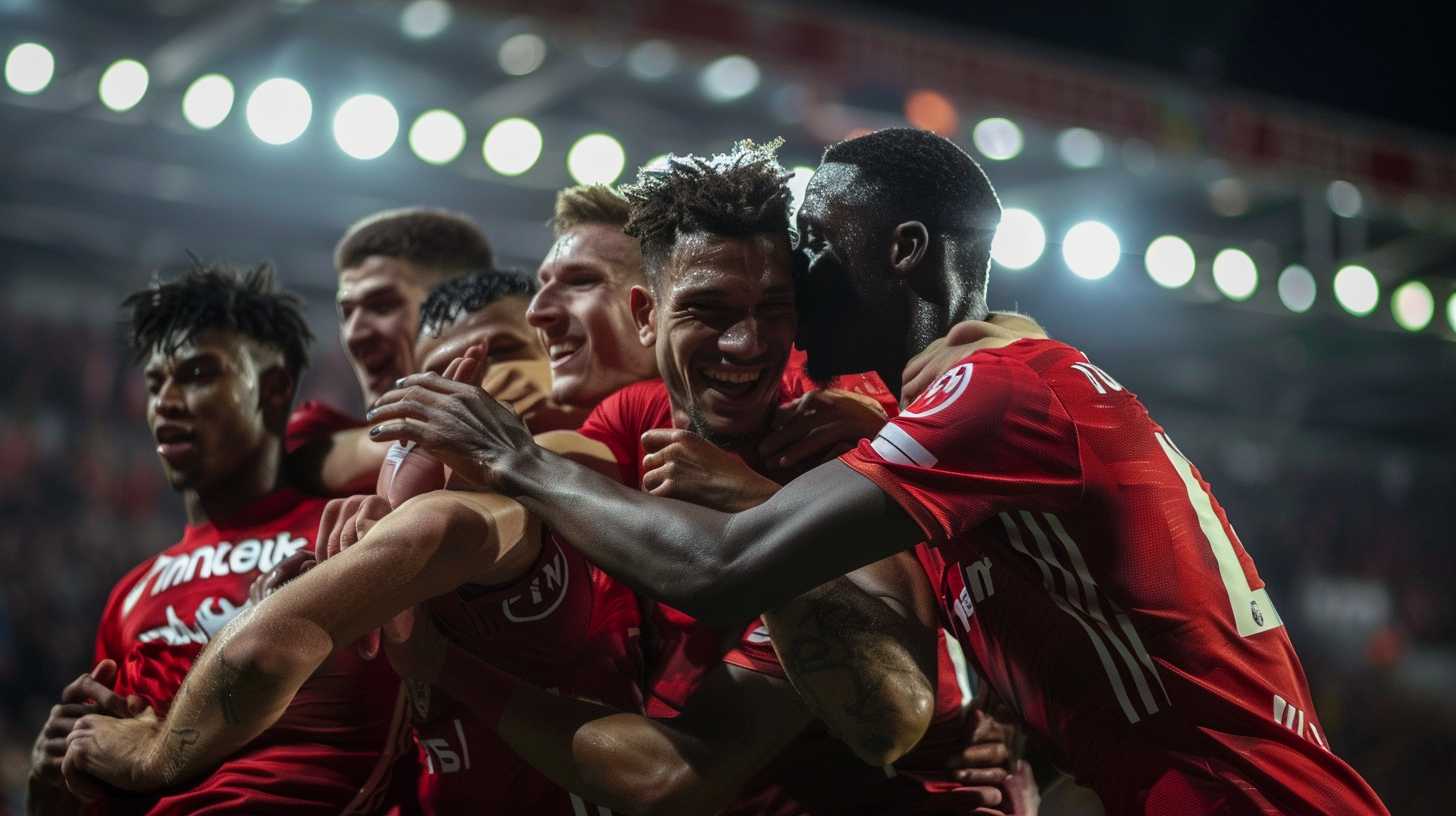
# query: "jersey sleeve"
[313,419]
[754,651]
[987,436]
[619,422]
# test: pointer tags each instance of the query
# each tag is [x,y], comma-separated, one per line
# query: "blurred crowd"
[1354,557]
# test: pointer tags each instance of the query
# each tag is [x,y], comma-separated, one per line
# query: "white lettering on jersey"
[545,592]
[977,588]
[946,389]
[1291,717]
[207,561]
[209,618]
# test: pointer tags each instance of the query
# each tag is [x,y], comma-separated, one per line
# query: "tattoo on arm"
[227,683]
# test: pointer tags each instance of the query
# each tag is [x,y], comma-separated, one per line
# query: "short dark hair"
[925,177]
[470,293]
[442,242]
[589,204]
[743,192]
[219,296]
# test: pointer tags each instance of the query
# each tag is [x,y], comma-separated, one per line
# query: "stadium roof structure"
[101,187]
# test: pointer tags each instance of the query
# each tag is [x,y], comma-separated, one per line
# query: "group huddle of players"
[716,513]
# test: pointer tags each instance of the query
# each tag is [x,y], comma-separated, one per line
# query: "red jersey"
[330,751]
[1100,587]
[817,773]
[564,626]
[313,419]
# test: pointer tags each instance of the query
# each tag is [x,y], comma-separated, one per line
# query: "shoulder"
[313,419]
[628,412]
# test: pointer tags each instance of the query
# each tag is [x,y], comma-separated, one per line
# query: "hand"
[119,752]
[461,425]
[416,652]
[343,524]
[683,465]
[88,694]
[525,385]
[1022,794]
[819,426]
[286,570]
[1000,329]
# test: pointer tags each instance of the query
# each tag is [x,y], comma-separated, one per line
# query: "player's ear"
[644,314]
[908,246]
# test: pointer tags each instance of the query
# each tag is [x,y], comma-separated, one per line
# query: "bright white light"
[660,163]
[1091,250]
[1413,306]
[1344,199]
[1079,147]
[1296,288]
[1235,274]
[596,159]
[437,136]
[1019,240]
[208,101]
[522,54]
[652,60]
[365,126]
[123,85]
[424,19]
[1451,311]
[29,68]
[997,138]
[1169,261]
[279,111]
[1357,290]
[512,146]
[729,78]
[798,183]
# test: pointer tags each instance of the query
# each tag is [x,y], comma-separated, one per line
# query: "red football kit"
[331,750]
[1085,565]
[817,773]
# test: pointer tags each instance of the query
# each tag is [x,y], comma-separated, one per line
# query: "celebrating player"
[223,353]
[1063,513]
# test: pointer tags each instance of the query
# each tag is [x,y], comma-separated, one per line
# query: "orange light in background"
[932,111]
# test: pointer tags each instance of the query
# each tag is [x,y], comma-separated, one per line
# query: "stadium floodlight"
[123,84]
[660,163]
[208,101]
[278,111]
[1413,306]
[512,146]
[1170,261]
[997,138]
[521,54]
[424,19]
[1451,311]
[596,158]
[798,183]
[1344,199]
[729,78]
[1091,250]
[437,136]
[1296,288]
[1235,274]
[1079,148]
[1357,290]
[29,68]
[1020,239]
[652,60]
[365,126]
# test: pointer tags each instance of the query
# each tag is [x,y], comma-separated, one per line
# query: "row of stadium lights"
[366,126]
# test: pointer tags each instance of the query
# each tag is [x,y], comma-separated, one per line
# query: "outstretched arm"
[246,678]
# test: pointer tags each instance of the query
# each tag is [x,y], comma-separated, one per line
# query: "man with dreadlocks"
[222,354]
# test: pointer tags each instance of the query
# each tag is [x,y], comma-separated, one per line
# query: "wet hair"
[921,176]
[589,204]
[740,193]
[442,243]
[470,293]
[212,296]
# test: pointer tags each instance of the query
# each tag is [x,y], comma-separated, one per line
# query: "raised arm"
[248,675]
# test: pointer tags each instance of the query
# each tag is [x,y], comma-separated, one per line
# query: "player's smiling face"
[205,409]
[850,314]
[584,317]
[379,316]
[723,325]
[500,326]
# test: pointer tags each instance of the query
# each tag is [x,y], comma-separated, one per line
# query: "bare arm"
[246,678]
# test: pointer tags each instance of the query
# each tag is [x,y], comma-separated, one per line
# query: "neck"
[230,495]
[930,318]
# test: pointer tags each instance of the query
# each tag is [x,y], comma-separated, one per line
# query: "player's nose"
[743,340]
[544,312]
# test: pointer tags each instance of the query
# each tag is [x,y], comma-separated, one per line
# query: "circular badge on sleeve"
[946,389]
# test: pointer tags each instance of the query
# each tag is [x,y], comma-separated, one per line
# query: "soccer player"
[1086,564]
[223,352]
